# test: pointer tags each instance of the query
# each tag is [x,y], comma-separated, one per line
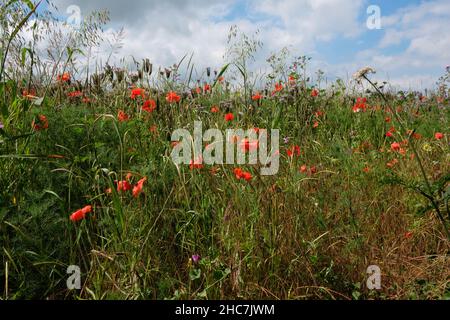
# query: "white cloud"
[165,31]
[415,48]
[307,21]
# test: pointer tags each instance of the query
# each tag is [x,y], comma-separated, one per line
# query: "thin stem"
[416,155]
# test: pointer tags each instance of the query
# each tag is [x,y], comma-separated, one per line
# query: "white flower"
[359,75]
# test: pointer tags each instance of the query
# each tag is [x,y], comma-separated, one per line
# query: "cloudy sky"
[411,49]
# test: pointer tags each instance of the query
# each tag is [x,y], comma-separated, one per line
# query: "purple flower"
[1,125]
[286,140]
[195,258]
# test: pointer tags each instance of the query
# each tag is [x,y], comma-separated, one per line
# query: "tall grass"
[347,201]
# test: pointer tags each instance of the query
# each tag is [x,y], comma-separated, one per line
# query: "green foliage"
[346,201]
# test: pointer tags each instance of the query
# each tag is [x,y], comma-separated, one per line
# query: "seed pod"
[134,77]
[95,78]
[120,75]
[148,67]
[109,73]
[208,71]
[167,73]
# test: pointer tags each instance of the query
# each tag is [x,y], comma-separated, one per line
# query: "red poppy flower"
[29,94]
[214,109]
[149,105]
[196,164]
[123,185]
[408,235]
[229,117]
[122,116]
[198,90]
[319,114]
[40,123]
[366,169]
[387,119]
[172,97]
[278,88]
[293,150]
[389,134]
[257,97]
[291,80]
[75,94]
[303,168]
[247,176]
[221,78]
[392,163]
[438,135]
[395,146]
[360,105]
[137,189]
[206,87]
[137,92]
[65,77]
[313,170]
[314,93]
[80,214]
[240,174]
[316,124]
[247,145]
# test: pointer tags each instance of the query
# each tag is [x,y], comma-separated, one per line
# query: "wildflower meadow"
[125,179]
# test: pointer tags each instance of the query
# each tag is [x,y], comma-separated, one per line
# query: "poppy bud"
[148,66]
[208,71]
[167,73]
[109,73]
[96,80]
[134,77]
[119,75]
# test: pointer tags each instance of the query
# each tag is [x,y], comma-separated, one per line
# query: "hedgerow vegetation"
[87,178]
